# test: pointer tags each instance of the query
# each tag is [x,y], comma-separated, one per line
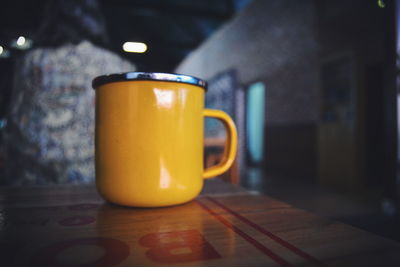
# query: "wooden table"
[225,226]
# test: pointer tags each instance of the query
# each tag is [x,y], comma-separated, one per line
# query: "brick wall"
[272,41]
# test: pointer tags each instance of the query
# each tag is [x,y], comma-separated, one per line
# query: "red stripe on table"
[248,238]
[279,240]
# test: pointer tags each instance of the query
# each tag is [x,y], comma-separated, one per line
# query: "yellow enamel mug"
[150,138]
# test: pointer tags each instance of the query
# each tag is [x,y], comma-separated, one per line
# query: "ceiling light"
[21,41]
[4,53]
[134,47]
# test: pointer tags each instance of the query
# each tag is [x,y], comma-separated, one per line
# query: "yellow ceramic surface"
[149,142]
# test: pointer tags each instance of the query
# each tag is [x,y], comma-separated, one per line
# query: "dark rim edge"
[148,76]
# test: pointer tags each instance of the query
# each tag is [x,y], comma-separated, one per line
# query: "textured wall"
[274,42]
[271,41]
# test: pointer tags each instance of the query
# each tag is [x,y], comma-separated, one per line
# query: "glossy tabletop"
[225,226]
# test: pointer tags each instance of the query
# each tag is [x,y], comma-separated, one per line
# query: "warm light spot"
[171,239]
[1,50]
[134,47]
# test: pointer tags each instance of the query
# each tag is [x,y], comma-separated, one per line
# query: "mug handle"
[230,147]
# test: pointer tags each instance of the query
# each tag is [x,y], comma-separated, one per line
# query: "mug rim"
[148,76]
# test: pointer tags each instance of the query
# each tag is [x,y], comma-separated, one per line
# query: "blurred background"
[311,84]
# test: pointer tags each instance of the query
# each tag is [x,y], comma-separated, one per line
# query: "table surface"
[224,226]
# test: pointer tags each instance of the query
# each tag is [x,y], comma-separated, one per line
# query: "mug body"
[149,141]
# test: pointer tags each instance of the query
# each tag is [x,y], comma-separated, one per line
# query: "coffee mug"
[150,138]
